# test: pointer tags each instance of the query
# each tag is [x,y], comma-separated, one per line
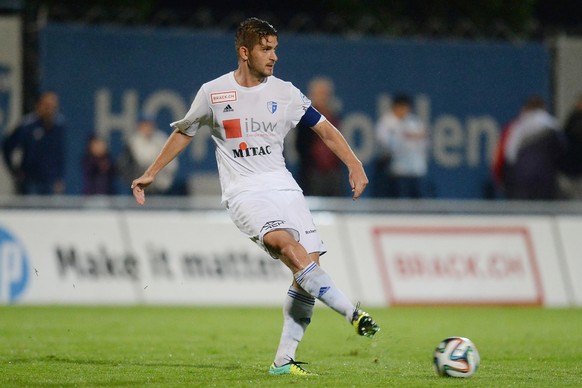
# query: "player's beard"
[262,73]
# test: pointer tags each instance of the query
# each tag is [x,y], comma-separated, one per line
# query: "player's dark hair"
[251,31]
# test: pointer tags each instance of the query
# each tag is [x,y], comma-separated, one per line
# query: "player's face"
[262,57]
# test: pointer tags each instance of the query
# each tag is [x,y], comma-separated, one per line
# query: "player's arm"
[339,146]
[174,145]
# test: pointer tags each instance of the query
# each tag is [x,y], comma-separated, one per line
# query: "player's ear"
[243,52]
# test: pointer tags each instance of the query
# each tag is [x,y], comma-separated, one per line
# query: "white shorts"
[257,213]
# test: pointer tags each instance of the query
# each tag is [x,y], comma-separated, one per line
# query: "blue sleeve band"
[311,117]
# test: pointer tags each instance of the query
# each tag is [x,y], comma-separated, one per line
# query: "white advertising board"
[570,235]
[194,257]
[145,257]
[202,258]
[457,260]
[65,257]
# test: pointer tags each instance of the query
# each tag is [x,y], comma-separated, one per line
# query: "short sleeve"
[299,105]
[198,116]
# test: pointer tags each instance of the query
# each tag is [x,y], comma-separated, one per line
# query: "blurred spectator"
[141,149]
[573,163]
[98,168]
[573,132]
[34,152]
[499,166]
[403,151]
[320,171]
[533,153]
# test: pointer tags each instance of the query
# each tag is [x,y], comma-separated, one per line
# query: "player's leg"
[307,273]
[315,281]
[297,312]
[276,221]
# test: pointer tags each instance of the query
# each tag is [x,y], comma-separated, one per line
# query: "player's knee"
[282,245]
[289,251]
[293,256]
[280,242]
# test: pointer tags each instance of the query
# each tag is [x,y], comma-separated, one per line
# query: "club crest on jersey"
[272,106]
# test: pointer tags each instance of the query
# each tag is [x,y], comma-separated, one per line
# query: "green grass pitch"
[227,347]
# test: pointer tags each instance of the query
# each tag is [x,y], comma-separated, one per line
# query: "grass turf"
[215,346]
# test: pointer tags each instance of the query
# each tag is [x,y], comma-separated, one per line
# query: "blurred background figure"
[573,162]
[402,160]
[499,165]
[320,171]
[34,152]
[141,149]
[533,154]
[573,132]
[98,168]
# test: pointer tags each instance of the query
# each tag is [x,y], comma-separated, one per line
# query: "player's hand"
[138,188]
[358,180]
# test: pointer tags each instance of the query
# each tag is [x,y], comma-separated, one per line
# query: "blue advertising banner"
[463,91]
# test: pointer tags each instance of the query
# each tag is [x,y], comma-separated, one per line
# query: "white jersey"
[248,126]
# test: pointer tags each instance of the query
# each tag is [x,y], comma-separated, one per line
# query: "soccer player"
[249,112]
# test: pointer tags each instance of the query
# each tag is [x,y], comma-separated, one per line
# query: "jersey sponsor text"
[217,98]
[245,151]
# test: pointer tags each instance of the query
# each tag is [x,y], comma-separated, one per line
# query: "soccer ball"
[456,357]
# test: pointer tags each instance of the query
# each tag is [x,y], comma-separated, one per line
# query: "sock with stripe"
[297,312]
[318,284]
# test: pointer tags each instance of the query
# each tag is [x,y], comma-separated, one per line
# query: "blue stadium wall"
[464,91]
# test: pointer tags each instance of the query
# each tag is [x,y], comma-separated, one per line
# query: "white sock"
[318,283]
[297,312]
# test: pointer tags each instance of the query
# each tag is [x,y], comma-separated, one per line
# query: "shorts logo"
[217,98]
[272,224]
[272,106]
